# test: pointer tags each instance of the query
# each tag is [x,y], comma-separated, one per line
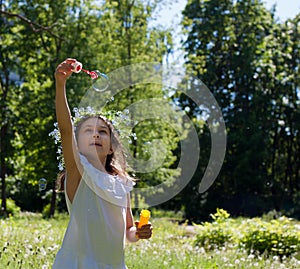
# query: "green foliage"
[220,216]
[212,236]
[216,234]
[278,237]
[172,215]
[12,208]
[102,36]
[250,63]
[46,211]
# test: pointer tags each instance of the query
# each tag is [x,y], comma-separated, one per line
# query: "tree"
[131,41]
[101,37]
[232,47]
[283,70]
[29,105]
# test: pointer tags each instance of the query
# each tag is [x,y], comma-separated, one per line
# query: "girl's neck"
[97,163]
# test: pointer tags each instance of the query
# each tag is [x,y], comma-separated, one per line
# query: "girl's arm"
[63,116]
[131,230]
[133,234]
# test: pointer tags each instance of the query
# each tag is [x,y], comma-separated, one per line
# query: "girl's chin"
[92,157]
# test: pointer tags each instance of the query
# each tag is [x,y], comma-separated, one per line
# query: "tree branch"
[34,26]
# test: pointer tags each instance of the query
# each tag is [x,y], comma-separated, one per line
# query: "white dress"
[95,236]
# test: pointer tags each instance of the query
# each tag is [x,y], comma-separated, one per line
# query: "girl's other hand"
[145,232]
[64,70]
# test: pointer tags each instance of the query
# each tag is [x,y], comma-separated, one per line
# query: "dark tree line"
[250,62]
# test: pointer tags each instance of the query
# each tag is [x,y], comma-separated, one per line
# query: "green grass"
[30,242]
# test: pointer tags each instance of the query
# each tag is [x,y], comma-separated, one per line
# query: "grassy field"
[32,242]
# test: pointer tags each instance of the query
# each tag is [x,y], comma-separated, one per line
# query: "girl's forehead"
[96,122]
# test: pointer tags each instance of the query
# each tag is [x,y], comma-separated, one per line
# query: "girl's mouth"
[97,144]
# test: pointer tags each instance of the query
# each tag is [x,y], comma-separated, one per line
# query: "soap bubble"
[42,184]
[100,81]
[269,184]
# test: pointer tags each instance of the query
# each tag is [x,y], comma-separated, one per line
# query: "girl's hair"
[115,162]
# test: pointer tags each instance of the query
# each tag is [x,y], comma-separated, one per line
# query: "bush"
[214,235]
[160,213]
[11,207]
[277,237]
[46,211]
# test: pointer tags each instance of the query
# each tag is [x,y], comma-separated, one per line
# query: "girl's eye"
[88,130]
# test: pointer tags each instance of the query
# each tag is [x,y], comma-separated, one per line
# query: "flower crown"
[120,121]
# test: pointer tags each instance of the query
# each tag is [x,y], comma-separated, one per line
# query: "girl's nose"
[96,135]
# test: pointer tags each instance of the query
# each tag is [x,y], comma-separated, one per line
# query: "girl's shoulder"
[126,179]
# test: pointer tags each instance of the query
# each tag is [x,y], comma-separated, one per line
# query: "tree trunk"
[53,203]
[3,209]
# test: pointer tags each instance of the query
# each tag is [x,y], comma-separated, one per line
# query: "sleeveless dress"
[95,236]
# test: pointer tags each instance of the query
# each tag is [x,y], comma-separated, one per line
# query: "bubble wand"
[100,80]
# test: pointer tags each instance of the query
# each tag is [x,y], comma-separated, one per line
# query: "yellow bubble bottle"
[144,217]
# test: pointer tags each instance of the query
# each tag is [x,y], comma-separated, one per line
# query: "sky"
[285,9]
[171,16]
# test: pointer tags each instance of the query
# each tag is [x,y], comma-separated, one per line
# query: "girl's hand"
[145,232]
[64,70]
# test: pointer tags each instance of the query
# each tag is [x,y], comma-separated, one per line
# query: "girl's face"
[94,140]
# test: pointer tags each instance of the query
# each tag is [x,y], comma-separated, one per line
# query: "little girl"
[96,189]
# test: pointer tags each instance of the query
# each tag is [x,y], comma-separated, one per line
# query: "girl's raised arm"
[63,116]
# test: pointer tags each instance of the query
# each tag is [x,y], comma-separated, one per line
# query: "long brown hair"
[115,162]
